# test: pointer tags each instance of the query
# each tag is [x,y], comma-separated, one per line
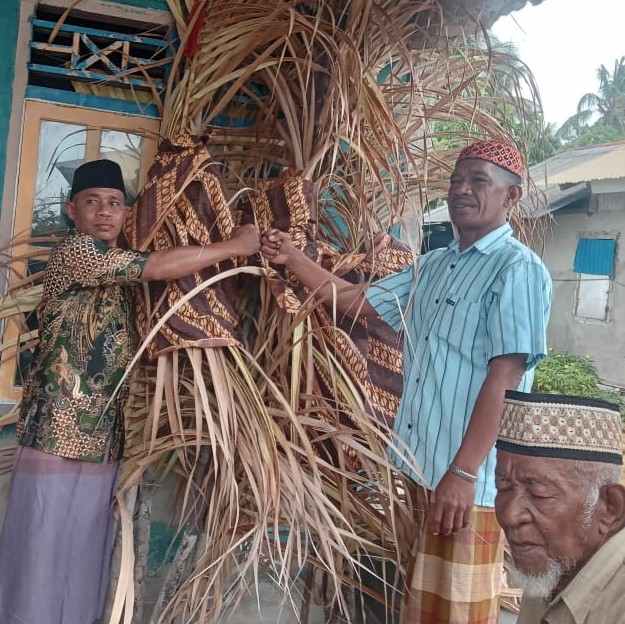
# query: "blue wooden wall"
[9,26]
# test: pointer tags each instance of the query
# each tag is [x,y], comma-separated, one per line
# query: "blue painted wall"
[9,26]
[145,4]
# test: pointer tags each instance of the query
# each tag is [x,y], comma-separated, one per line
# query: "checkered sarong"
[457,579]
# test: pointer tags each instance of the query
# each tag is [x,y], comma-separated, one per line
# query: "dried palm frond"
[332,90]
[273,436]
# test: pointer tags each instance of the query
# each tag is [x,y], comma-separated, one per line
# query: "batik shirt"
[87,339]
[458,310]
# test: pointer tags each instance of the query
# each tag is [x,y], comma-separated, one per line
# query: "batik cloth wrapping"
[455,579]
[183,204]
[368,348]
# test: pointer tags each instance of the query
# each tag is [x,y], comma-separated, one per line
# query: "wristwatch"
[463,474]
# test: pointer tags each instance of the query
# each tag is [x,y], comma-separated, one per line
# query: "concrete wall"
[604,342]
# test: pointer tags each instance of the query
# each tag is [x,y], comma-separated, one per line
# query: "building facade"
[70,94]
[583,250]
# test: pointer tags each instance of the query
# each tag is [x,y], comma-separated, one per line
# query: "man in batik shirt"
[56,544]
[473,318]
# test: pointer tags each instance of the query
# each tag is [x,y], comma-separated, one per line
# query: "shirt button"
[409,426]
[436,300]
[427,338]
[452,266]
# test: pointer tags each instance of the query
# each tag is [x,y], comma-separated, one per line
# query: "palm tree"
[608,103]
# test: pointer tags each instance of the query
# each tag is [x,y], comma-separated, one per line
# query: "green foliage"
[530,131]
[564,373]
[597,134]
[600,116]
[538,136]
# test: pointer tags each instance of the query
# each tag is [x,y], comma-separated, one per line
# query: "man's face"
[479,196]
[100,212]
[540,505]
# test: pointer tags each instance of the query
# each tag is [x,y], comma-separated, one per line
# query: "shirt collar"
[581,593]
[487,244]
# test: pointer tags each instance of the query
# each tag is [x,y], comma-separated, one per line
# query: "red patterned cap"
[500,153]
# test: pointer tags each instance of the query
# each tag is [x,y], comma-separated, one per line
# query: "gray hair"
[594,476]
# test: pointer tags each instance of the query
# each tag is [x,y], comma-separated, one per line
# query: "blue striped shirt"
[463,310]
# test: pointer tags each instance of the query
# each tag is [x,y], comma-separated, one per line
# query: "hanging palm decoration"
[319,118]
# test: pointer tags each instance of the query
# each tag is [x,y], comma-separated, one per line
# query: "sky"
[564,42]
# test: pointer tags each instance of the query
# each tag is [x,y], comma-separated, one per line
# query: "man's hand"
[276,246]
[245,241]
[450,505]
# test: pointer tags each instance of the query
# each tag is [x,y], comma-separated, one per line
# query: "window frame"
[610,235]
[96,121]
[581,278]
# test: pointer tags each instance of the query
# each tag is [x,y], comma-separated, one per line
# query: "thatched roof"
[488,11]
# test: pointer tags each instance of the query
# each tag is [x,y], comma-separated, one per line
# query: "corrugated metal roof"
[584,164]
[546,201]
[438,215]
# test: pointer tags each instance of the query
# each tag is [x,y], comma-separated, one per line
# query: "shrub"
[564,373]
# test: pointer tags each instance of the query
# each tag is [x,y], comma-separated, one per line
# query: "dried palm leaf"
[276,431]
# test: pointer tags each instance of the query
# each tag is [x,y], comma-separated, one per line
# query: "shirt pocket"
[459,322]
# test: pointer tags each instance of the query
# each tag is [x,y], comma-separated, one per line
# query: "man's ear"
[70,210]
[515,193]
[612,516]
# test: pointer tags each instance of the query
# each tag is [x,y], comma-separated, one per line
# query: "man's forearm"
[505,373]
[329,288]
[178,262]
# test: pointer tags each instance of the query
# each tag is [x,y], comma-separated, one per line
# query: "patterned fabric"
[594,596]
[87,338]
[500,153]
[549,425]
[456,579]
[285,204]
[183,204]
[372,352]
[463,310]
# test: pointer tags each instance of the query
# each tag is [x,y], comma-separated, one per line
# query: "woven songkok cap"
[564,427]
[500,153]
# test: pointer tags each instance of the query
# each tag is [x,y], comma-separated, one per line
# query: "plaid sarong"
[457,579]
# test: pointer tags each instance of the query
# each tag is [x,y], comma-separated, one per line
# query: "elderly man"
[562,507]
[55,546]
[474,320]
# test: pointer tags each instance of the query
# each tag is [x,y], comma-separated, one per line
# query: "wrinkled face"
[540,505]
[479,196]
[99,212]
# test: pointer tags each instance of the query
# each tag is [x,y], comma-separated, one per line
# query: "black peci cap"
[98,174]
